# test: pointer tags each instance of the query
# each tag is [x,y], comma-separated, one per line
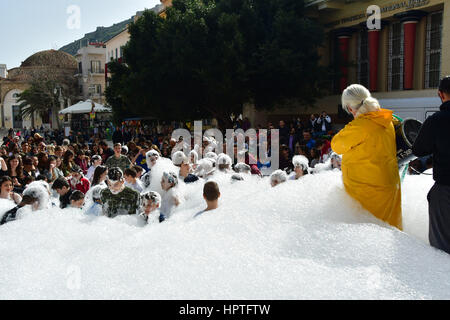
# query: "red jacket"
[82,186]
[82,164]
[326,148]
[254,166]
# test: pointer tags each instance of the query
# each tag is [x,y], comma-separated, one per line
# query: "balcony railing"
[97,71]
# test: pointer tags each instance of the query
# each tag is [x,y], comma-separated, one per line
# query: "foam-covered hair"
[335,156]
[211,155]
[115,174]
[170,177]
[204,167]
[179,158]
[96,191]
[224,159]
[41,183]
[195,154]
[242,167]
[300,161]
[151,196]
[151,154]
[38,191]
[278,175]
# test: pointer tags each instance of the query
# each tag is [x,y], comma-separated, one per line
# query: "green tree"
[44,94]
[207,58]
[114,93]
[34,100]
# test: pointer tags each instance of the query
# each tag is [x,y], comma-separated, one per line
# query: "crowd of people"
[86,173]
[80,171]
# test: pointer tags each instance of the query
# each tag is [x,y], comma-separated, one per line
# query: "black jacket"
[286,164]
[284,135]
[319,123]
[117,137]
[434,139]
[190,178]
[65,200]
[9,215]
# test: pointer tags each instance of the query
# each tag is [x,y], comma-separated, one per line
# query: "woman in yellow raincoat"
[369,156]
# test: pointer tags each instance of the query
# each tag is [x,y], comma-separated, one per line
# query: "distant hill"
[101,34]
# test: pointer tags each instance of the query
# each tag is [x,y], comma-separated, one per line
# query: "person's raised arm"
[3,164]
[136,156]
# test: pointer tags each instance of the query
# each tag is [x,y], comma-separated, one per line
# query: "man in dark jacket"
[107,151]
[433,139]
[62,187]
[284,133]
[117,136]
[285,159]
[323,124]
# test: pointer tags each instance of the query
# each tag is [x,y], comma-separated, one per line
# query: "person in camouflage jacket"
[118,160]
[119,199]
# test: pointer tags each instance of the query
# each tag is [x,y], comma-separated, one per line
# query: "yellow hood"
[383,117]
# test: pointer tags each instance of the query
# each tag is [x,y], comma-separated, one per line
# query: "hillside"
[101,34]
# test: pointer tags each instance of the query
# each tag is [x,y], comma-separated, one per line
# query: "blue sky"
[29,26]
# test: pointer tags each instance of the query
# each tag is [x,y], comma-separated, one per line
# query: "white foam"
[304,239]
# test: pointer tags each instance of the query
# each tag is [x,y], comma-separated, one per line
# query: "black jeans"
[439,213]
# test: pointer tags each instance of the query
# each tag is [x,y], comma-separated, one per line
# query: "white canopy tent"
[416,108]
[85,107]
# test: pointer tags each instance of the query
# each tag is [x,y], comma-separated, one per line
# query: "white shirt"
[90,173]
[168,201]
[137,186]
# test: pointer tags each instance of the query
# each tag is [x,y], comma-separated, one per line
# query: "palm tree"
[38,99]
[33,101]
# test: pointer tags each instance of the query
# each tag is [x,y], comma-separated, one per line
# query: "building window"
[433,50]
[112,55]
[95,89]
[395,69]
[80,68]
[121,51]
[96,66]
[117,56]
[363,58]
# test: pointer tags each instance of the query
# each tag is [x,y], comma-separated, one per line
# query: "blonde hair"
[359,98]
[51,150]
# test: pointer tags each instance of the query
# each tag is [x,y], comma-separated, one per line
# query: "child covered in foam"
[150,205]
[171,197]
